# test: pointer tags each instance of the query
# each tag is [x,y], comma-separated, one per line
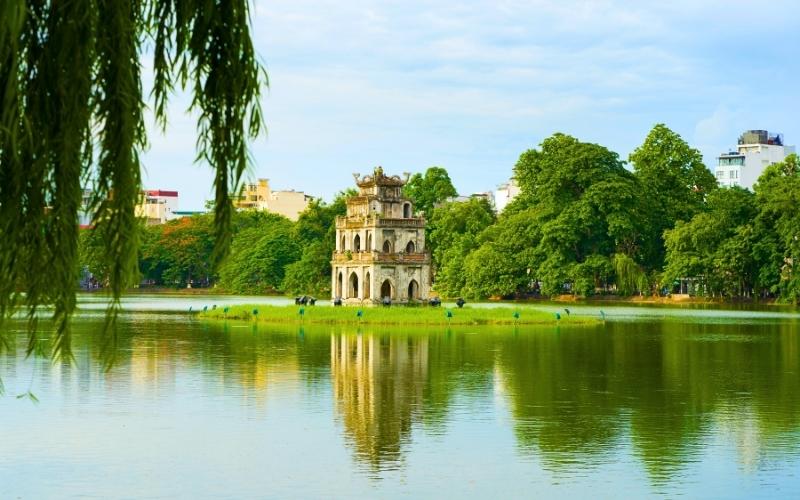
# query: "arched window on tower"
[411,248]
[386,289]
[387,247]
[352,291]
[407,210]
[413,290]
[357,243]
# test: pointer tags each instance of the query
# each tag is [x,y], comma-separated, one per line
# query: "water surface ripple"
[675,402]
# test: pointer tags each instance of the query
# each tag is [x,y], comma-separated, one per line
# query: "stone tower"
[380,245]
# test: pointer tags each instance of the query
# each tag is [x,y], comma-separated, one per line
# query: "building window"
[720,174]
[734,174]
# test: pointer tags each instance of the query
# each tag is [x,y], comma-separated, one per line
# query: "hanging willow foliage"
[71,115]
[631,278]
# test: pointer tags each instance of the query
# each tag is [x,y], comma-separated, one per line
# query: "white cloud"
[470,84]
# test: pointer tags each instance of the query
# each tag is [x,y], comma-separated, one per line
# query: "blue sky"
[469,85]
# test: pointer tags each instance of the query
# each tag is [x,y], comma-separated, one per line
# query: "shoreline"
[674,299]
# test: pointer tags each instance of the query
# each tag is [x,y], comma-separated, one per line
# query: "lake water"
[655,401]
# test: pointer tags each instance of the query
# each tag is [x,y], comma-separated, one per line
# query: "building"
[757,149]
[380,245]
[505,194]
[486,195]
[259,196]
[157,206]
[85,212]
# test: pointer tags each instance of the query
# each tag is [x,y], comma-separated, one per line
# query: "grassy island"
[396,315]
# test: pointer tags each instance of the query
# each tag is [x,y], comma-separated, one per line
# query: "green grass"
[396,315]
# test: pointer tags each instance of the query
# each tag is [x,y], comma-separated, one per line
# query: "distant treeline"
[269,253]
[583,224]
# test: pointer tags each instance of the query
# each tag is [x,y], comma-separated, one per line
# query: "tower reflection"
[378,389]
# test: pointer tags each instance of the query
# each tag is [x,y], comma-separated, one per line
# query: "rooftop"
[161,192]
[380,179]
[760,137]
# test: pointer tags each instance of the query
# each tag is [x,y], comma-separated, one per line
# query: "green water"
[653,402]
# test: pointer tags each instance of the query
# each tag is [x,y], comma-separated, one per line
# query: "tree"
[312,273]
[510,243]
[778,224]
[453,232]
[315,232]
[631,278]
[179,252]
[259,256]
[583,206]
[675,183]
[90,254]
[72,109]
[714,247]
[429,190]
[489,273]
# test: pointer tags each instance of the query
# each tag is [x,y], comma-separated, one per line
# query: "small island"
[419,316]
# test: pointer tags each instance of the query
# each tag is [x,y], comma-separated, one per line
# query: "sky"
[470,85]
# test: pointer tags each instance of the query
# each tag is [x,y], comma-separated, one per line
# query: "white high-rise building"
[505,194]
[757,150]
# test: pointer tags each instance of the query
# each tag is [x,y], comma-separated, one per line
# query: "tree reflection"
[561,394]
[575,397]
[651,392]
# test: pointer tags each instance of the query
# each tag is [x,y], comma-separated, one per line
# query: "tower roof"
[378,178]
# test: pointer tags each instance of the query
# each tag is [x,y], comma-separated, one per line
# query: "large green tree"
[715,246]
[586,207]
[259,256]
[673,181]
[743,245]
[179,252]
[71,109]
[430,189]
[777,227]
[452,233]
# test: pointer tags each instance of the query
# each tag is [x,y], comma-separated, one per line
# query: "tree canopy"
[71,114]
[585,224]
[452,233]
[675,183]
[430,189]
[578,206]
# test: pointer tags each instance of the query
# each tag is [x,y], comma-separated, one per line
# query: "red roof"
[160,192]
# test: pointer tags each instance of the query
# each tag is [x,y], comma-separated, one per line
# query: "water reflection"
[653,397]
[665,387]
[378,384]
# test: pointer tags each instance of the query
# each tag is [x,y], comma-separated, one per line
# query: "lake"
[655,401]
